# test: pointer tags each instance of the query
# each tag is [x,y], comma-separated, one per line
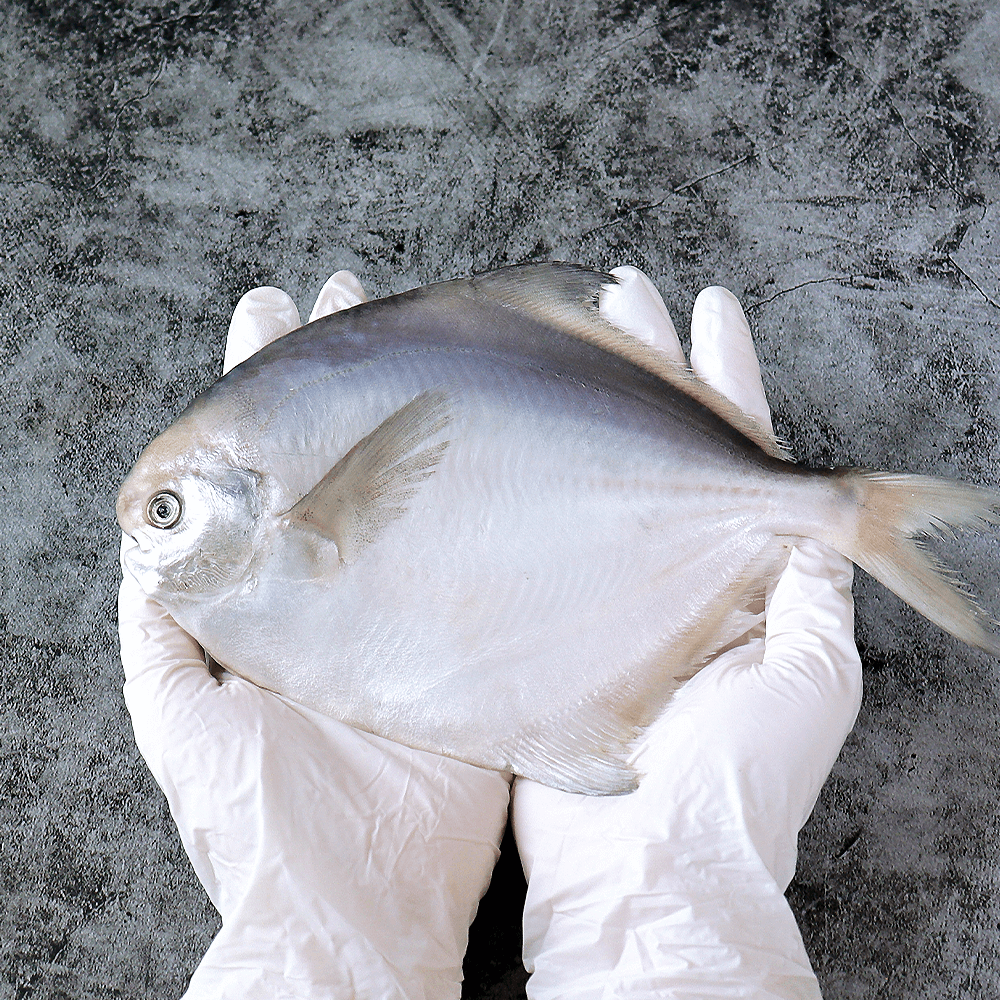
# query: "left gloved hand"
[676,890]
[343,865]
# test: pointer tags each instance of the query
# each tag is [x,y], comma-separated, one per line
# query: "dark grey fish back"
[459,316]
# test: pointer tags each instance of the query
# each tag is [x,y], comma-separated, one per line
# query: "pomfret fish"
[476,519]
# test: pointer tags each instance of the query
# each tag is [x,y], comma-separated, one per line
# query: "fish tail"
[894,513]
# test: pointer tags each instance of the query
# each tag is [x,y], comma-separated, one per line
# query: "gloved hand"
[676,890]
[343,865]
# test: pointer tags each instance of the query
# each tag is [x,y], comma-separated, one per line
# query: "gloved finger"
[260,317]
[142,621]
[722,352]
[160,660]
[635,306]
[163,666]
[341,291]
[771,716]
[811,658]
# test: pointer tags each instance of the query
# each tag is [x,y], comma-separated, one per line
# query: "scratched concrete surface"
[834,164]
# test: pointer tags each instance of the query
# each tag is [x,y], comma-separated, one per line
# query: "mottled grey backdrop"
[834,164]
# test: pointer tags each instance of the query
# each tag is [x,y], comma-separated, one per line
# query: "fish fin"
[734,616]
[893,511]
[567,297]
[585,749]
[588,748]
[369,487]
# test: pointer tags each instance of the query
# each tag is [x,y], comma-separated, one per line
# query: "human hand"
[343,865]
[676,890]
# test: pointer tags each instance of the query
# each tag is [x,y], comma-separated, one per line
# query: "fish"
[477,519]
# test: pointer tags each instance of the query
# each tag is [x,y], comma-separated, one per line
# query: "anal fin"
[589,747]
[585,749]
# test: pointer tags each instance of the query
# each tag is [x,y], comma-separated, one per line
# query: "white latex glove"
[343,865]
[676,890]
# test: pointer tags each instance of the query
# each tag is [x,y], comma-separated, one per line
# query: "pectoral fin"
[369,487]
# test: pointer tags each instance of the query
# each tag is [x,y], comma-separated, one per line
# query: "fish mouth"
[139,540]
[137,549]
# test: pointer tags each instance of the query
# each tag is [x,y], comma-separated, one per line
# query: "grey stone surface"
[834,164]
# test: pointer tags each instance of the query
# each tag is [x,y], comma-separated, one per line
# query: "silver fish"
[476,519]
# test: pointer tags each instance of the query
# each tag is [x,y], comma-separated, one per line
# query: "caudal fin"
[894,511]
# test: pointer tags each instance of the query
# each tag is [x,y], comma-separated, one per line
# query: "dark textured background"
[834,164]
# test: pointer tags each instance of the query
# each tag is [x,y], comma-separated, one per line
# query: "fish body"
[475,519]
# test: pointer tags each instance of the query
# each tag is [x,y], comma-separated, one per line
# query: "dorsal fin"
[567,297]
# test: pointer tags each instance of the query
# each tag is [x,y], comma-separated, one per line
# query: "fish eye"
[164,510]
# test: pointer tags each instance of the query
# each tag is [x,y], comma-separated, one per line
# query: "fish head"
[194,514]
